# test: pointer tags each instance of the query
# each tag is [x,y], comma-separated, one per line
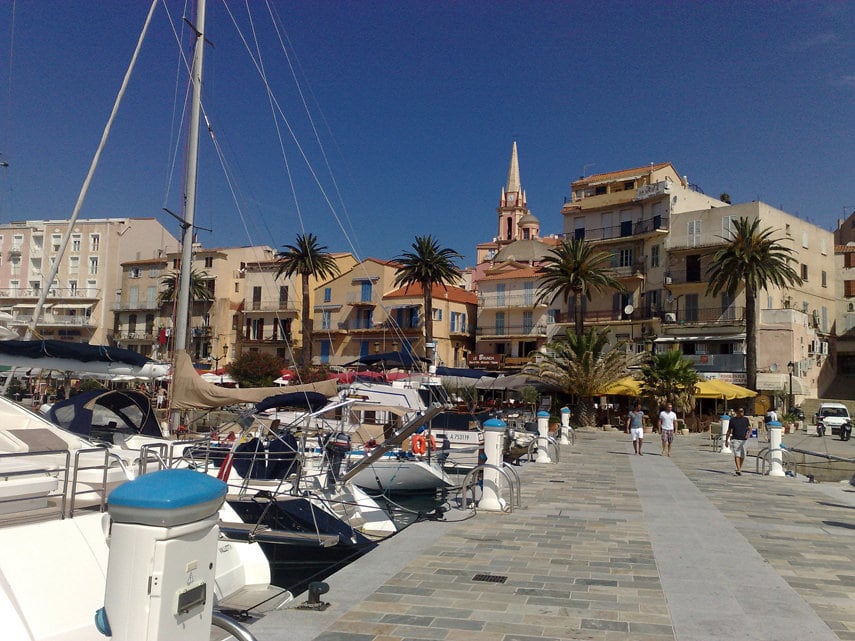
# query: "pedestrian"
[635,427]
[738,431]
[667,421]
[771,415]
[161,397]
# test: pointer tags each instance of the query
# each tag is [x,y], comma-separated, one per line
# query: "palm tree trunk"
[586,413]
[428,314]
[579,316]
[750,337]
[306,324]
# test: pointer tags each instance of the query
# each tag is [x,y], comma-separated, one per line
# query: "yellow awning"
[627,386]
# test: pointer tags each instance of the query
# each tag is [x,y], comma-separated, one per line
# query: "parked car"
[832,416]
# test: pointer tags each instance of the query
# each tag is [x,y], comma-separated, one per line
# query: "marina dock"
[609,545]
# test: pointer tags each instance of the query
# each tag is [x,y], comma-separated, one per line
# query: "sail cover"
[190,392]
[74,351]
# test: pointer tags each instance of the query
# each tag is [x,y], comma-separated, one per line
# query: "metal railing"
[506,471]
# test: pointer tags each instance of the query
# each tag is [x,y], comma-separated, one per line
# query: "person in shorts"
[635,427]
[738,431]
[667,421]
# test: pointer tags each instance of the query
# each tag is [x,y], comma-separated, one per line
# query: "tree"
[306,258]
[427,265]
[751,258]
[199,290]
[255,369]
[575,269]
[668,377]
[583,365]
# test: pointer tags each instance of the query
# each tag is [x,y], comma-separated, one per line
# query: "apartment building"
[271,314]
[143,325]
[361,312]
[76,307]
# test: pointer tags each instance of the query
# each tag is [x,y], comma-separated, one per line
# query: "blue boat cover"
[76,351]
[107,411]
[312,401]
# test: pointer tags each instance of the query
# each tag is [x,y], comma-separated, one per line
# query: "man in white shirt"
[667,421]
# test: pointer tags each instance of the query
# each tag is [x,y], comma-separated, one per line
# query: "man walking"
[738,431]
[667,421]
[635,427]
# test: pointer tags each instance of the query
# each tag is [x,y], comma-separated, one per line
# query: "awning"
[27,306]
[405,306]
[73,305]
[699,339]
[780,382]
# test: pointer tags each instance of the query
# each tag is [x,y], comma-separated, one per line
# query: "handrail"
[830,457]
[470,480]
[231,626]
[39,470]
[764,456]
[549,441]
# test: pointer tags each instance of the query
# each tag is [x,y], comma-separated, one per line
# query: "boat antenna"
[183,306]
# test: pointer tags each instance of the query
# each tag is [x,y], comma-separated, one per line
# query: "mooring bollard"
[543,438]
[565,426]
[776,456]
[725,423]
[494,446]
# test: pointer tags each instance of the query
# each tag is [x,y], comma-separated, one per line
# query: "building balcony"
[267,306]
[278,341]
[141,305]
[492,300]
[706,316]
[511,331]
[135,336]
[358,301]
[51,320]
[53,294]
[623,231]
[717,362]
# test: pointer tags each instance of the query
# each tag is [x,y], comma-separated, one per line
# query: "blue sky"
[417,104]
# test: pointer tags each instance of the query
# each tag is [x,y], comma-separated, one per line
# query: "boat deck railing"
[49,484]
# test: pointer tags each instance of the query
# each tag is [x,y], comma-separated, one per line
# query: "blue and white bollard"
[725,423]
[163,550]
[494,447]
[565,426]
[543,438]
[776,456]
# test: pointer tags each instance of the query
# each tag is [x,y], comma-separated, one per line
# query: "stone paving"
[609,545]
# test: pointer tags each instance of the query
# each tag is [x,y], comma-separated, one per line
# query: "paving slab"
[609,545]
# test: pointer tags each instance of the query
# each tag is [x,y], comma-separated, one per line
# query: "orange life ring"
[432,443]
[419,444]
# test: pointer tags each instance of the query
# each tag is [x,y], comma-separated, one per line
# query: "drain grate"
[490,578]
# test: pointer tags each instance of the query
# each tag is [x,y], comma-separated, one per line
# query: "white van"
[832,415]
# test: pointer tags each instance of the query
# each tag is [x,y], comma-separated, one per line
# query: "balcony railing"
[706,316]
[356,325]
[511,330]
[357,299]
[135,336]
[54,292]
[717,362]
[51,320]
[268,339]
[270,306]
[122,306]
[622,230]
[492,300]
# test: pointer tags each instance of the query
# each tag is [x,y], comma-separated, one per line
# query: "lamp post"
[225,355]
[790,369]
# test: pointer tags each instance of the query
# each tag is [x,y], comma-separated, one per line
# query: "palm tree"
[583,365]
[752,259]
[427,265]
[667,377]
[576,269]
[199,290]
[306,258]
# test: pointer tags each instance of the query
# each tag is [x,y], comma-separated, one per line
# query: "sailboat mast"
[183,308]
[182,313]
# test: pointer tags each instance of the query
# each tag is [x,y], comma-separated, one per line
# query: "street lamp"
[790,369]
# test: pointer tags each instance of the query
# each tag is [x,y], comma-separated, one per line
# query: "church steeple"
[512,206]
[513,184]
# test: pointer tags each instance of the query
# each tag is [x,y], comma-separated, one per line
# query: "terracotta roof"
[617,175]
[454,294]
[844,249]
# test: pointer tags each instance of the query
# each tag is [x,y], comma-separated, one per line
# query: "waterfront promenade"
[609,545]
